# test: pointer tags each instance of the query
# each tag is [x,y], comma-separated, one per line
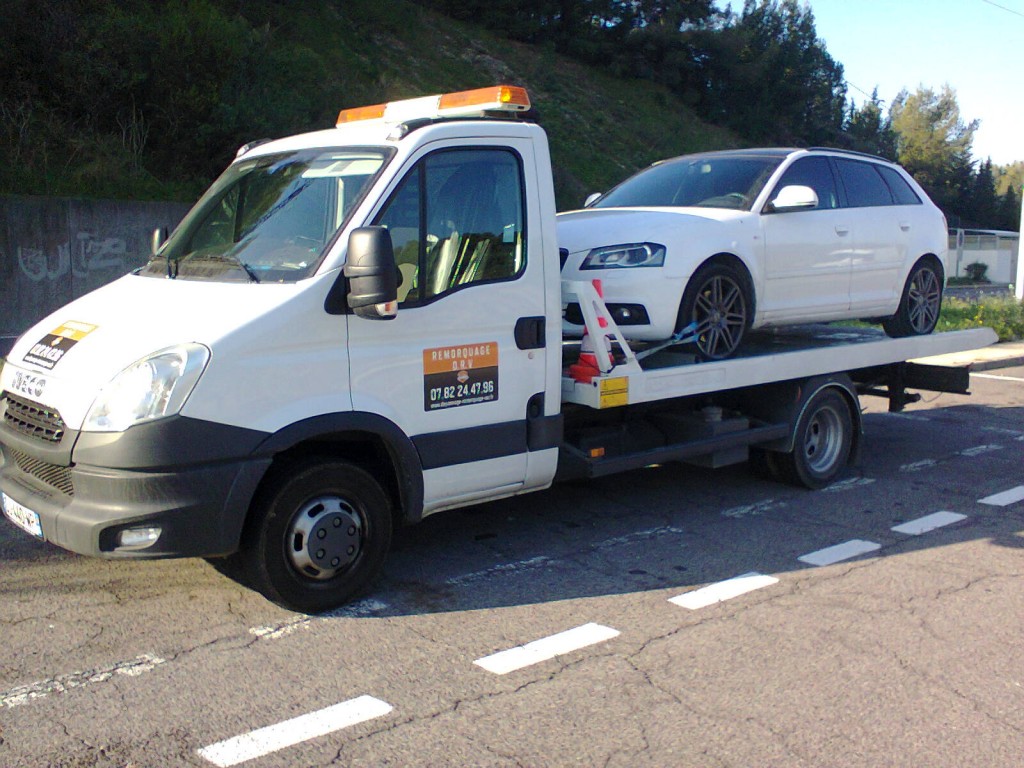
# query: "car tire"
[719,299]
[320,536]
[918,311]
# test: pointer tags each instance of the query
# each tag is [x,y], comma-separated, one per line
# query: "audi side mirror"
[795,197]
[159,238]
[591,199]
[372,274]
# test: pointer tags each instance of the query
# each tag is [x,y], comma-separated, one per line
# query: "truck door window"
[457,220]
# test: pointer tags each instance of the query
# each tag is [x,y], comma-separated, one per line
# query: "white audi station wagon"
[755,238]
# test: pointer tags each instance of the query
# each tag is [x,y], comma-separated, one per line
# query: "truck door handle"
[529,333]
[841,230]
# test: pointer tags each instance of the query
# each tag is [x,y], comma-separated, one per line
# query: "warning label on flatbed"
[466,374]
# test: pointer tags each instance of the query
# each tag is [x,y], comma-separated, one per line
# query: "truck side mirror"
[159,238]
[372,274]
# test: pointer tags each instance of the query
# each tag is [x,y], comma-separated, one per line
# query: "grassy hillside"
[601,128]
[150,103]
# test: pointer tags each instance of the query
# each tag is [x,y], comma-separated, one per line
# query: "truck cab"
[167,413]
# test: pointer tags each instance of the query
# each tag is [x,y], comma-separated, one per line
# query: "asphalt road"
[907,653]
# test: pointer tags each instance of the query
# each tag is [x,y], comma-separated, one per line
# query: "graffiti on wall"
[89,253]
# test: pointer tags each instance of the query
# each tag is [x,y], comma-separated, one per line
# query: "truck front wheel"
[321,534]
[822,441]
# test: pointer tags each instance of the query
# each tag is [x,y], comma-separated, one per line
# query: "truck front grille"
[53,475]
[33,419]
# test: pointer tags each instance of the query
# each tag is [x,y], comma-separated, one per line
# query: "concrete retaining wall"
[53,250]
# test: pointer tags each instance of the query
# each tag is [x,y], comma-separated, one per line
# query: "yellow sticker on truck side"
[463,374]
[614,392]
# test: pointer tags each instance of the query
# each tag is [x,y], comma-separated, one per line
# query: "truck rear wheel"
[321,534]
[822,441]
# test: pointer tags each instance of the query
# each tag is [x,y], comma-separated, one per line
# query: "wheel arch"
[738,263]
[369,441]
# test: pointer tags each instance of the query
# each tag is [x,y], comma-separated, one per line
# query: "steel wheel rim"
[823,440]
[325,537]
[923,300]
[720,312]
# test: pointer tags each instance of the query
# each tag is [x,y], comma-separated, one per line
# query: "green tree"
[1008,214]
[869,129]
[982,204]
[934,144]
[774,80]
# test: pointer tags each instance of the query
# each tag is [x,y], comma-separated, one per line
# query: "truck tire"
[920,302]
[320,535]
[718,299]
[822,441]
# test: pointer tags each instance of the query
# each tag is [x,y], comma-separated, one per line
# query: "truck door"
[448,370]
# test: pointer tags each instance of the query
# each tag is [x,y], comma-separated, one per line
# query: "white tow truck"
[359,327]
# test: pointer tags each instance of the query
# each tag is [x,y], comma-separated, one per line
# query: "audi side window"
[457,219]
[864,187]
[816,173]
[901,190]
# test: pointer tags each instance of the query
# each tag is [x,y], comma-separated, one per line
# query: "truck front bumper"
[195,506]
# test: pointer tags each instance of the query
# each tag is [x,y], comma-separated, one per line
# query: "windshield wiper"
[230,258]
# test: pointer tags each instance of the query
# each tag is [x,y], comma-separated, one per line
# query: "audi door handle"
[842,231]
[905,226]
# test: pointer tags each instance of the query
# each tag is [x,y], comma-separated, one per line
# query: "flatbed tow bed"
[713,412]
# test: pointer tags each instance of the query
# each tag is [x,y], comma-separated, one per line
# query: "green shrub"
[1003,314]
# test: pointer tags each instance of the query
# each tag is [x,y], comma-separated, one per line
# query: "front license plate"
[22,516]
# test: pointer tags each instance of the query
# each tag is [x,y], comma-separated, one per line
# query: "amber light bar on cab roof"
[495,98]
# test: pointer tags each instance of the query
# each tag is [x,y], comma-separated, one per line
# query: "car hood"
[582,230]
[63,360]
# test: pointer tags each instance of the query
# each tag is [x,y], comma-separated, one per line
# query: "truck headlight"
[631,255]
[153,388]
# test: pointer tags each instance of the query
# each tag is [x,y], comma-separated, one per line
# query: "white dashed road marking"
[978,450]
[928,523]
[723,590]
[839,552]
[848,485]
[918,465]
[262,742]
[546,648]
[1005,498]
[25,693]
[994,376]
[355,610]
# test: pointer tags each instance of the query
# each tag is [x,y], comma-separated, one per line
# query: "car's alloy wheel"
[918,312]
[716,299]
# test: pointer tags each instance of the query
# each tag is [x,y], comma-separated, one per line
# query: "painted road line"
[723,590]
[753,510]
[848,485]
[978,450]
[23,694]
[359,609]
[928,523]
[917,466]
[994,376]
[262,742]
[839,552]
[505,569]
[1005,498]
[546,648]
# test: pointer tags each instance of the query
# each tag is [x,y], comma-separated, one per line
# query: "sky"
[977,46]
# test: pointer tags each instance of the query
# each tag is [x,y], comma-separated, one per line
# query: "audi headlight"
[631,255]
[153,388]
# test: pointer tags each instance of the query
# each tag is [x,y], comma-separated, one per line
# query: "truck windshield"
[704,181]
[269,219]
